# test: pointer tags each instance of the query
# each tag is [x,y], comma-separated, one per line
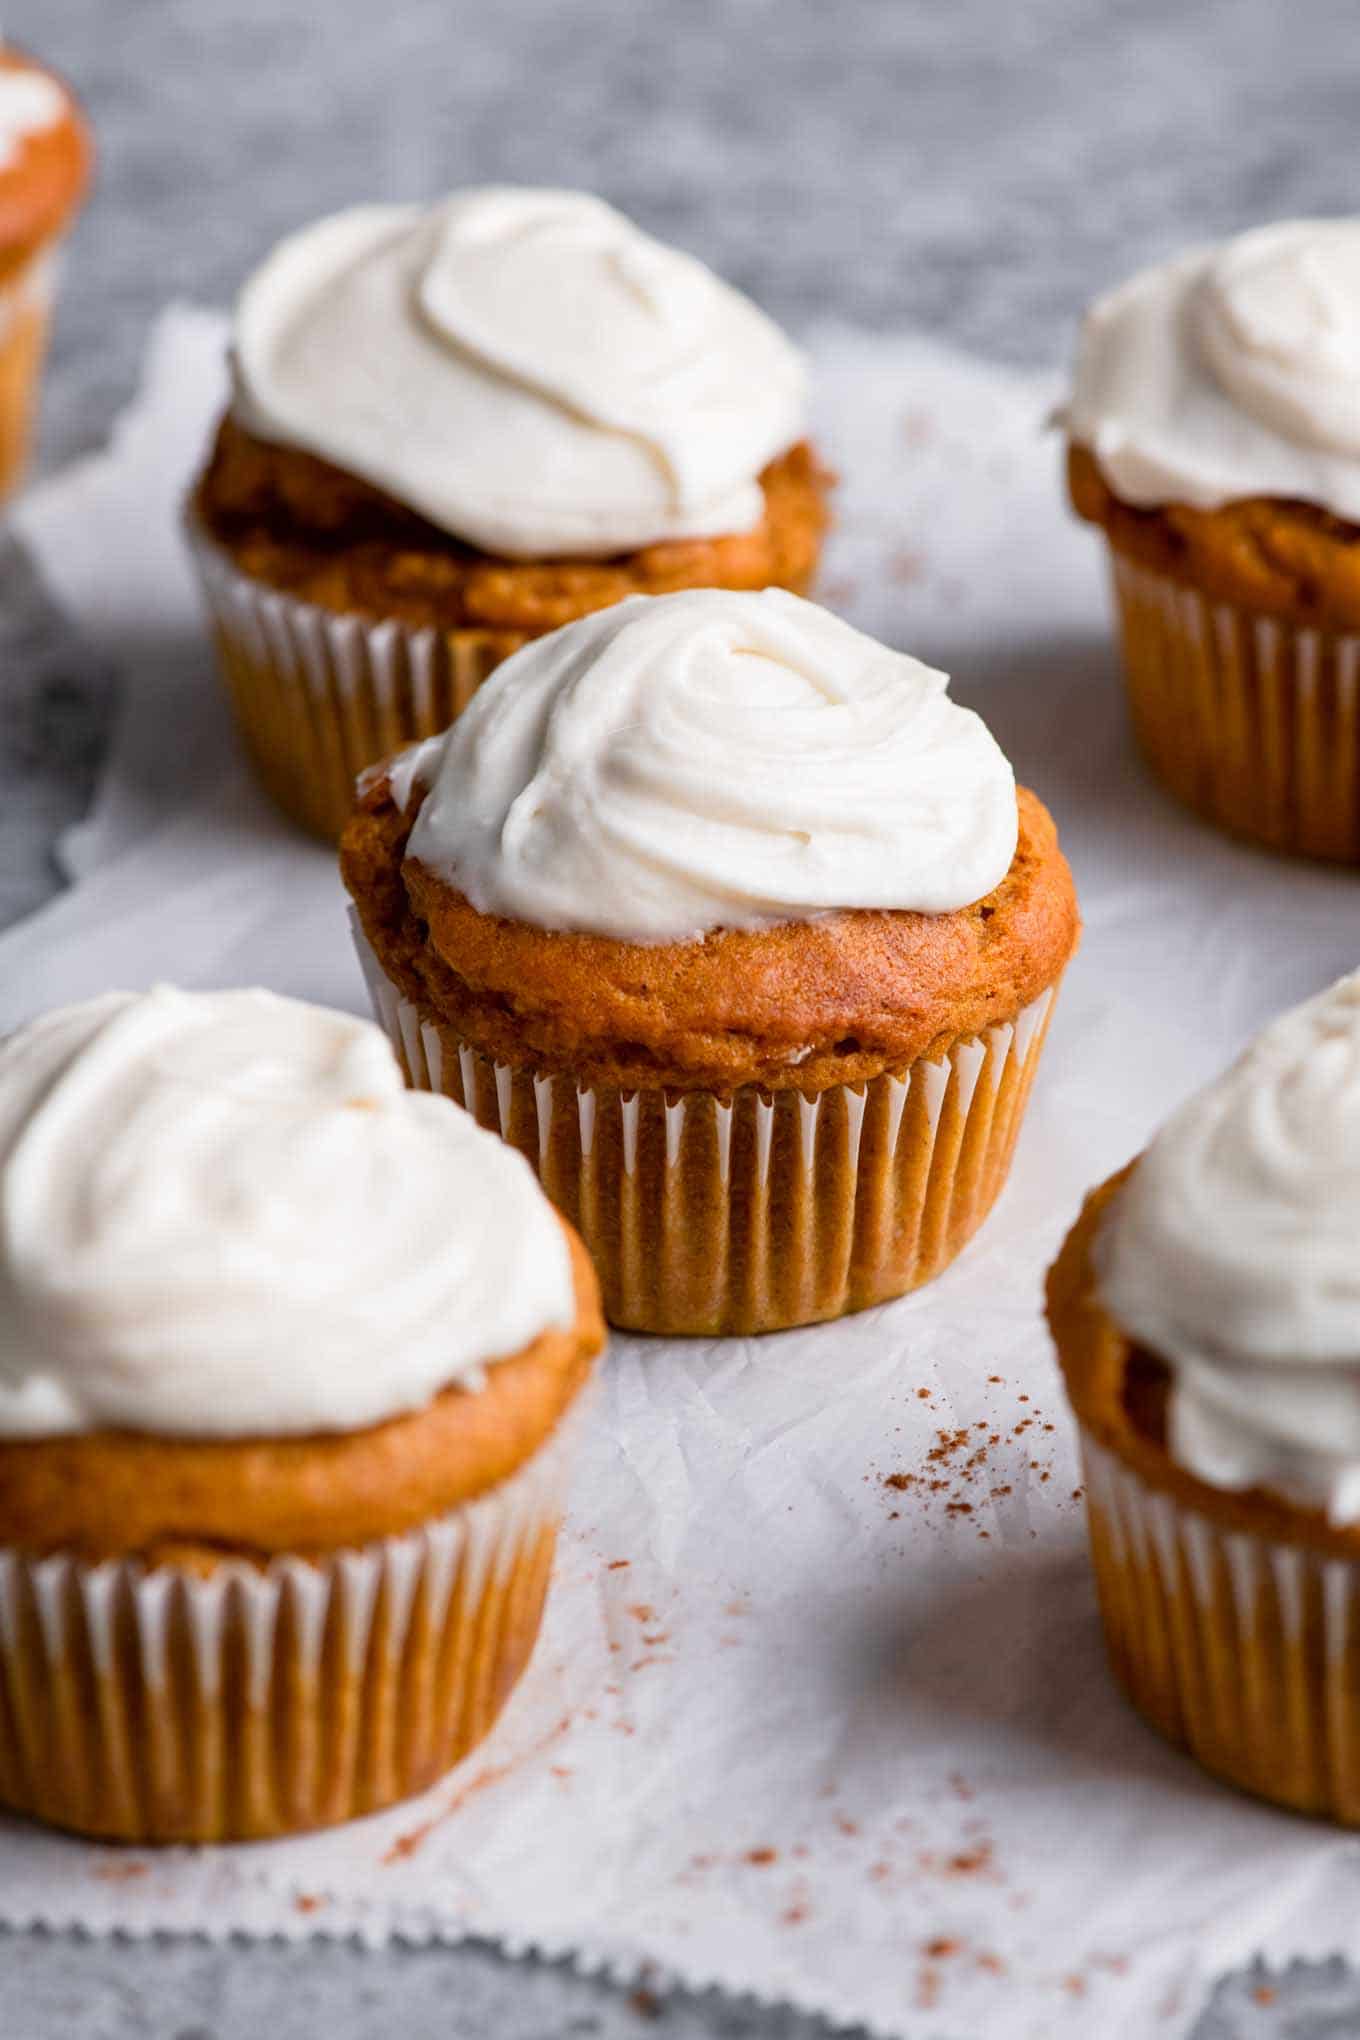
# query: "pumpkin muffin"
[456,428]
[1213,438]
[733,923]
[290,1362]
[1207,1316]
[45,157]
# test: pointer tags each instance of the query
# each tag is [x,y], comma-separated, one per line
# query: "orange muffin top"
[44,173]
[837,999]
[1213,419]
[257,1297]
[504,410]
[1287,559]
[1205,1308]
[193,1502]
[315,532]
[711,839]
[1120,1394]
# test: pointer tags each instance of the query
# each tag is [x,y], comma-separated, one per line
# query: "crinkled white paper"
[815,1714]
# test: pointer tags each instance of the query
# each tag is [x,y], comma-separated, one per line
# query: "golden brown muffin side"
[1118,1393]
[196,1502]
[1286,559]
[809,1004]
[47,177]
[313,531]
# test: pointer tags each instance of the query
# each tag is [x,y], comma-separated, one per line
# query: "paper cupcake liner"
[1252,721]
[320,695]
[171,1705]
[1244,1651]
[25,309]
[762,1209]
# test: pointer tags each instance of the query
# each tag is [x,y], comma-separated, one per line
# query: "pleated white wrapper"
[319,694]
[168,1704]
[1251,720]
[1241,1648]
[763,1209]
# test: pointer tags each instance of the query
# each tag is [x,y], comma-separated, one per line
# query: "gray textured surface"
[973,167]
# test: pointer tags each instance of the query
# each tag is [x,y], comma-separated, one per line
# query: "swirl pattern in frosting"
[711,759]
[1233,1254]
[1232,371]
[524,368]
[224,1215]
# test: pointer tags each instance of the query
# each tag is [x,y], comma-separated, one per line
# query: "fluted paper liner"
[174,1705]
[320,695]
[763,1209]
[1252,721]
[1243,1650]
[25,310]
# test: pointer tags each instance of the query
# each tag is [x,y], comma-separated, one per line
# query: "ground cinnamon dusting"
[407,1845]
[906,566]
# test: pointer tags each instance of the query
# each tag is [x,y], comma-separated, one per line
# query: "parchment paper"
[819,1710]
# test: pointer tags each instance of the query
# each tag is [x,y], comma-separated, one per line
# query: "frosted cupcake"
[1214,431]
[1206,1310]
[288,1365]
[455,428]
[44,168]
[734,924]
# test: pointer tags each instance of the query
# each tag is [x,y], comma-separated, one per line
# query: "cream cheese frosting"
[711,759]
[224,1215]
[525,368]
[30,102]
[1232,371]
[1233,1254]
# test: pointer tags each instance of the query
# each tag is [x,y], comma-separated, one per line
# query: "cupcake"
[44,168]
[735,925]
[1206,1310]
[1214,433]
[456,428]
[289,1362]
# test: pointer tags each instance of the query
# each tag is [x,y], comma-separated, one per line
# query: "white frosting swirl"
[223,1214]
[711,759]
[525,368]
[31,102]
[1233,1254]
[1232,371]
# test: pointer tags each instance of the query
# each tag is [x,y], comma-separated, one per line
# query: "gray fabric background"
[975,168]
